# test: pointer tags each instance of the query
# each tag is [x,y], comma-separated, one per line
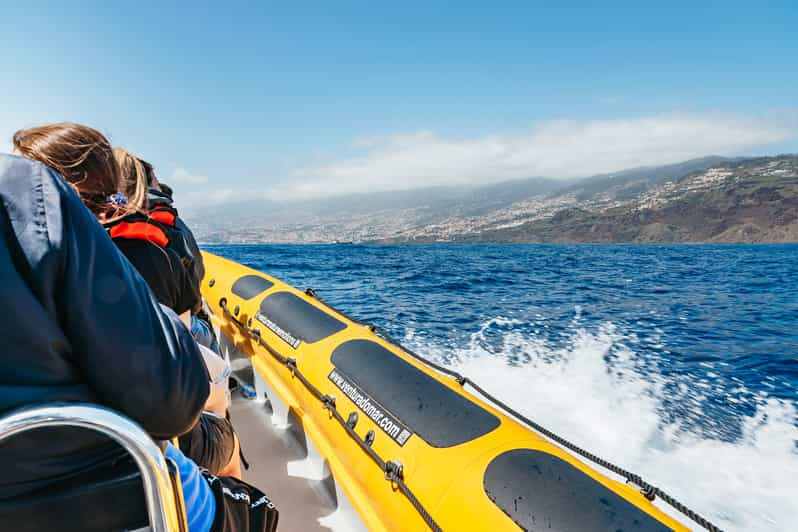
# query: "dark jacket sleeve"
[191,244]
[188,295]
[136,355]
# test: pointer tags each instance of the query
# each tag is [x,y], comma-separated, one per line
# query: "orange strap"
[163,216]
[140,231]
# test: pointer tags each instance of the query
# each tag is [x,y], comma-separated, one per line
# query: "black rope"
[393,471]
[649,491]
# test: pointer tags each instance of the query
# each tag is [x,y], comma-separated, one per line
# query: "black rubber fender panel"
[298,318]
[540,491]
[249,286]
[437,414]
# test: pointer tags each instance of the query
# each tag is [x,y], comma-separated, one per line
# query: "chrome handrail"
[161,504]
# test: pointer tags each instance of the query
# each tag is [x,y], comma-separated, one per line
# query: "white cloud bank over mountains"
[559,149]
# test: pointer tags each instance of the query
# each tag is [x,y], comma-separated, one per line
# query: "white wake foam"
[592,389]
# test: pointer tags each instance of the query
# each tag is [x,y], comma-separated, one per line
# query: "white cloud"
[184,176]
[192,198]
[561,148]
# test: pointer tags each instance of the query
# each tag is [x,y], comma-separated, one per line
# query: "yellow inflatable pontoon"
[408,442]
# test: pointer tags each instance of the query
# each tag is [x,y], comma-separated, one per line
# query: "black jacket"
[80,324]
[157,262]
[182,240]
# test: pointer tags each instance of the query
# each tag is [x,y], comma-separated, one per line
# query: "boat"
[395,441]
[347,430]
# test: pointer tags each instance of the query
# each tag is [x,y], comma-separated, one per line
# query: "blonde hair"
[134,178]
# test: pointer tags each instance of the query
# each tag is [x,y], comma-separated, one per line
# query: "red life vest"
[163,214]
[140,227]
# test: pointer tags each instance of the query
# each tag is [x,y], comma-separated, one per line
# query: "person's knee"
[233,467]
[212,444]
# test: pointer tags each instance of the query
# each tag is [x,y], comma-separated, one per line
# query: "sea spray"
[593,389]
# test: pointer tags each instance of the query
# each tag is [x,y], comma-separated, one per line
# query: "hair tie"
[118,199]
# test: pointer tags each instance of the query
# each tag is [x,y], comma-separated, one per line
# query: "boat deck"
[302,502]
[283,462]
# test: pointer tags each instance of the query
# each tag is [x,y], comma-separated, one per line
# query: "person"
[160,199]
[139,178]
[213,443]
[160,202]
[78,151]
[86,328]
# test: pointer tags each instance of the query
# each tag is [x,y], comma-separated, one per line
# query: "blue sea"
[677,362]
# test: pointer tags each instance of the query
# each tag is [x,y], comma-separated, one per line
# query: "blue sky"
[317,98]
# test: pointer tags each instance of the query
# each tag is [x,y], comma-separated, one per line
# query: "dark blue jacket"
[79,324]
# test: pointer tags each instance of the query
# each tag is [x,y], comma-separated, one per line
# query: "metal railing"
[163,509]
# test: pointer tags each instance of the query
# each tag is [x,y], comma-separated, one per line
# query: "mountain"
[629,183]
[707,199]
[439,201]
[740,200]
[367,216]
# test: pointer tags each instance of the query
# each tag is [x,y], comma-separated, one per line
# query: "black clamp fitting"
[329,402]
[351,421]
[649,492]
[394,471]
